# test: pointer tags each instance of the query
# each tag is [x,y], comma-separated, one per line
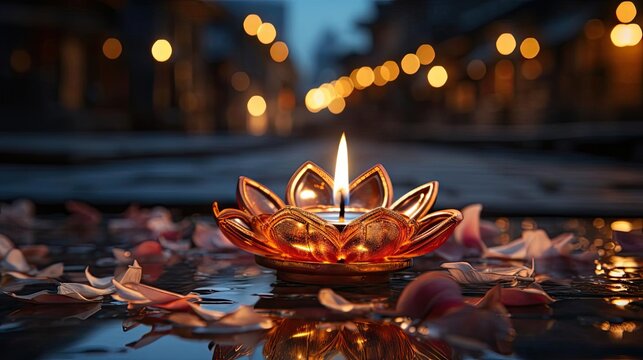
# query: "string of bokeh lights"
[332,95]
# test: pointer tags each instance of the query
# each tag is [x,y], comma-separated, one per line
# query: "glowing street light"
[256,105]
[437,76]
[506,43]
[251,24]
[161,50]
[529,48]
[112,48]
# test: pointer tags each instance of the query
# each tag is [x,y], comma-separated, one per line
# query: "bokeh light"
[365,76]
[20,60]
[240,81]
[410,64]
[594,29]
[251,24]
[621,225]
[279,51]
[626,11]
[437,76]
[626,35]
[256,105]
[161,50]
[425,54]
[314,100]
[112,48]
[344,86]
[506,44]
[476,69]
[529,48]
[381,76]
[266,33]
[393,69]
[337,105]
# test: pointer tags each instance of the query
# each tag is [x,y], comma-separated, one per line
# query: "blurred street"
[192,171]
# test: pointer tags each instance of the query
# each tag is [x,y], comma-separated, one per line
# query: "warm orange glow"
[476,69]
[337,105]
[529,48]
[279,51]
[266,33]
[425,54]
[393,69]
[381,76]
[506,44]
[240,81]
[314,100]
[161,50]
[626,11]
[340,186]
[256,105]
[112,48]
[626,35]
[251,24]
[20,61]
[344,86]
[365,76]
[594,29]
[437,76]
[410,64]
[621,225]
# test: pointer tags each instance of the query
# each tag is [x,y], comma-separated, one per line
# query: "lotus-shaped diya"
[330,230]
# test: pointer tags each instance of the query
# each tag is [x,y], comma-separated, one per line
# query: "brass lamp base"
[332,274]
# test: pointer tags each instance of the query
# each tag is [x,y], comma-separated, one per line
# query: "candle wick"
[342,206]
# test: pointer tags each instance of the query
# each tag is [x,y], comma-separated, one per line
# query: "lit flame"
[340,188]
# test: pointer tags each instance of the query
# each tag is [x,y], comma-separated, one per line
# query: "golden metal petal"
[257,198]
[301,235]
[310,186]
[375,235]
[417,202]
[434,229]
[235,225]
[371,189]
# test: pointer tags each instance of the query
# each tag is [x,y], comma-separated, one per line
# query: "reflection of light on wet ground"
[617,330]
[618,267]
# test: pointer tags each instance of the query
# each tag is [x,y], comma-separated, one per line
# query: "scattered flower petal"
[19,213]
[532,295]
[430,295]
[334,301]
[464,273]
[210,238]
[533,244]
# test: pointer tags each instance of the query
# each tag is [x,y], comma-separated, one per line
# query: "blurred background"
[530,107]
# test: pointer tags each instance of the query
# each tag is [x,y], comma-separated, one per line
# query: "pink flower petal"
[210,238]
[15,261]
[334,301]
[464,273]
[532,295]
[5,246]
[468,232]
[429,295]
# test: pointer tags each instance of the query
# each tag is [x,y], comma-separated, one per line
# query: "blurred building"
[98,65]
[560,71]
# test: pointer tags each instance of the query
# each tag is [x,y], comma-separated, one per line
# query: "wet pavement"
[598,312]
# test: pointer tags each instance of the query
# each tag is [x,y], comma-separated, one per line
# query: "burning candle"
[343,214]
